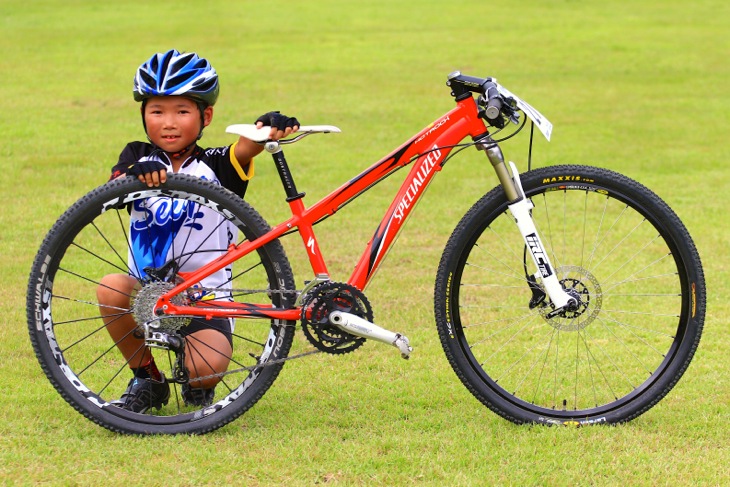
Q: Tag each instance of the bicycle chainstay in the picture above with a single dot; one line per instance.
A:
(242, 292)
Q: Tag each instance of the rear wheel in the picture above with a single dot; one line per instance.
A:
(617, 247)
(90, 241)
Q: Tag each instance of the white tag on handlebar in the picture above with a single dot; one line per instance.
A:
(543, 124)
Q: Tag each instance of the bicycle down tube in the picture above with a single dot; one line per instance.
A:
(427, 150)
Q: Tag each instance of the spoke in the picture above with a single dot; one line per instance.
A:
(90, 318)
(515, 322)
(246, 271)
(639, 279)
(97, 256)
(492, 307)
(544, 363)
(511, 272)
(619, 244)
(187, 237)
(121, 368)
(516, 362)
(170, 366)
(624, 345)
(497, 286)
(190, 340)
(633, 278)
(505, 245)
(597, 240)
(249, 340)
(643, 328)
(81, 301)
(197, 250)
(549, 233)
(82, 277)
(136, 271)
(124, 269)
(555, 383)
(229, 357)
(577, 366)
(585, 228)
(633, 257)
(498, 320)
(613, 363)
(88, 335)
(582, 339)
(630, 329)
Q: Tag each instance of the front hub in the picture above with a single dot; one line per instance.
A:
(584, 288)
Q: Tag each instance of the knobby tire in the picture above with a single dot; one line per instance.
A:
(79, 357)
(613, 243)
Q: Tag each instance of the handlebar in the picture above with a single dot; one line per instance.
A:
(494, 107)
(494, 101)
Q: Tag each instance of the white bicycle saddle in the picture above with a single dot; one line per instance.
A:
(251, 132)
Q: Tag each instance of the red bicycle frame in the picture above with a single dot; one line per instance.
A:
(427, 150)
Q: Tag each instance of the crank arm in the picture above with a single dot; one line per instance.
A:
(358, 326)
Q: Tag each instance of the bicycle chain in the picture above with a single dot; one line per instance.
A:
(271, 363)
(251, 368)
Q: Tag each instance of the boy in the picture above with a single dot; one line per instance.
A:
(177, 92)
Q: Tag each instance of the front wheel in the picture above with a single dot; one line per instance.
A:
(613, 244)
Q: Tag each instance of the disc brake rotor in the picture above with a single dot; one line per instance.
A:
(584, 286)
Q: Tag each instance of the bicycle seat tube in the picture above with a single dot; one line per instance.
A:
(294, 198)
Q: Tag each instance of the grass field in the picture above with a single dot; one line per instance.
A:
(637, 87)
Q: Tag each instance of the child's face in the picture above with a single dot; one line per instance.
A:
(173, 122)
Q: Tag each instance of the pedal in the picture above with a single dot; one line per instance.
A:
(358, 326)
(402, 344)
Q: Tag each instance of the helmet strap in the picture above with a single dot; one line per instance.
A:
(201, 108)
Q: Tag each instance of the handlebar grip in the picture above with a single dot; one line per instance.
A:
(494, 101)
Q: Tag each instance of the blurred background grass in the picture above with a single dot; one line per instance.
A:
(640, 88)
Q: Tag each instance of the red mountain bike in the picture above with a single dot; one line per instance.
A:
(566, 295)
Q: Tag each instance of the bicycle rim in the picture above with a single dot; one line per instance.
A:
(612, 243)
(90, 241)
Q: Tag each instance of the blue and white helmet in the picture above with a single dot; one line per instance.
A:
(172, 73)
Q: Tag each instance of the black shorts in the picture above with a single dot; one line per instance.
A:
(219, 324)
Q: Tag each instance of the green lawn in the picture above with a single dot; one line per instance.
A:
(638, 87)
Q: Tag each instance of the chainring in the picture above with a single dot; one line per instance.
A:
(317, 307)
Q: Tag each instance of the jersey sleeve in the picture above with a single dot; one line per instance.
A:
(231, 173)
(245, 173)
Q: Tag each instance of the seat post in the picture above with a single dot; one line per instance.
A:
(287, 180)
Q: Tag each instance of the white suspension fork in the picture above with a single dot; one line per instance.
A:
(546, 272)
